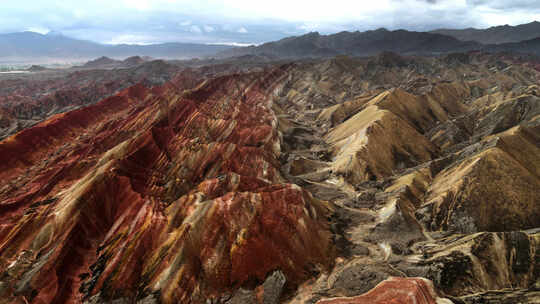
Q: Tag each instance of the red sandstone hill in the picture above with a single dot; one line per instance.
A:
(176, 191)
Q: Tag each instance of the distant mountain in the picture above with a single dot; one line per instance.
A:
(36, 68)
(104, 62)
(133, 61)
(358, 43)
(34, 47)
(101, 61)
(496, 34)
(30, 45)
(531, 46)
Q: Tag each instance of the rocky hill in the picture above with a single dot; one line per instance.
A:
(102, 61)
(342, 180)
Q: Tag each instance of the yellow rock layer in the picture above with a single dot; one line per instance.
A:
(375, 142)
(491, 191)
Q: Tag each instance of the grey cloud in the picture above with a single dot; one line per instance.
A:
(507, 4)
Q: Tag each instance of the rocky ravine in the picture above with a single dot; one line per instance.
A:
(379, 180)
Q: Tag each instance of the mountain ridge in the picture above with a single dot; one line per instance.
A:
(495, 34)
(358, 43)
(27, 45)
(381, 40)
(56, 46)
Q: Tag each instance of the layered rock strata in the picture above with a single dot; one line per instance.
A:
(174, 195)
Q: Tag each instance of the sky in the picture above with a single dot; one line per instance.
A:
(249, 21)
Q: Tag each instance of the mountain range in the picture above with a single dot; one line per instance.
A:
(496, 34)
(55, 46)
(359, 44)
(29, 45)
(521, 39)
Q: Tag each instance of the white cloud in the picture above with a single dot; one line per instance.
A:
(37, 29)
(185, 23)
(130, 39)
(233, 43)
(141, 5)
(195, 29)
(227, 27)
(242, 30)
(208, 28)
(78, 13)
(306, 11)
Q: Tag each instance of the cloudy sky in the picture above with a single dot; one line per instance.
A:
(249, 21)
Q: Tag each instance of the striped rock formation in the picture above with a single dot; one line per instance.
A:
(158, 193)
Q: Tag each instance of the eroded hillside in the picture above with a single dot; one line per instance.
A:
(348, 180)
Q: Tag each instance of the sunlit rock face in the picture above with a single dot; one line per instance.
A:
(162, 193)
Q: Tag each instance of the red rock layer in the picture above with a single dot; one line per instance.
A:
(155, 190)
(395, 290)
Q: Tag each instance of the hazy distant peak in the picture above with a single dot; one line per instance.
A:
(55, 34)
(496, 34)
(25, 33)
(312, 34)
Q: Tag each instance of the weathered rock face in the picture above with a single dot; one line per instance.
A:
(483, 261)
(434, 179)
(488, 192)
(156, 190)
(503, 297)
(374, 143)
(300, 183)
(395, 290)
